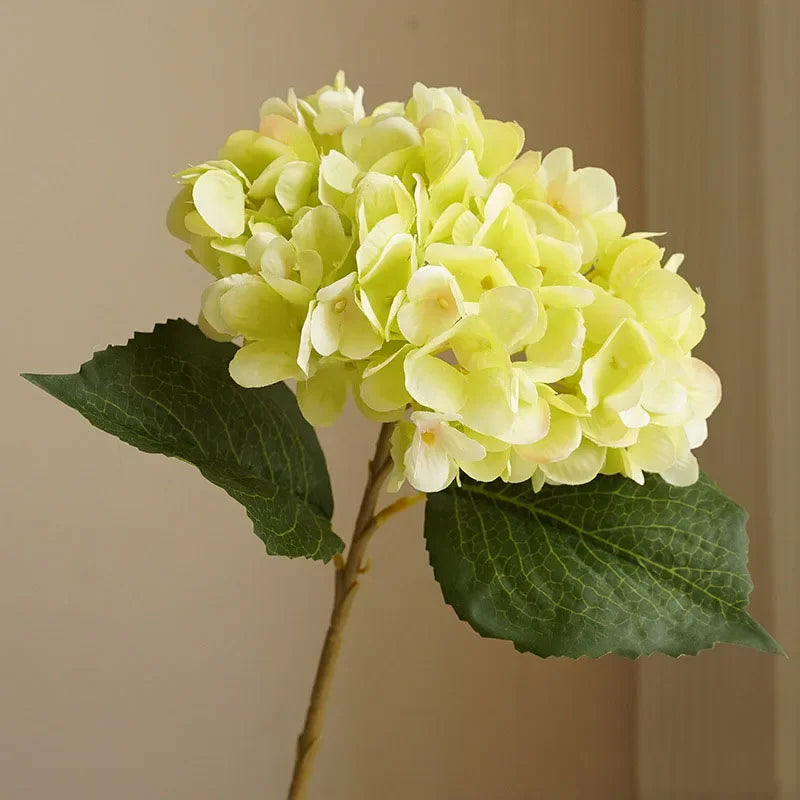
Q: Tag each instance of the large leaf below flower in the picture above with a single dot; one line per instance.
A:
(169, 392)
(608, 567)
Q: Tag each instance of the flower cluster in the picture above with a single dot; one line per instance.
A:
(490, 302)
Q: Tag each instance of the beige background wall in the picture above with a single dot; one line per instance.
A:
(149, 648)
(722, 126)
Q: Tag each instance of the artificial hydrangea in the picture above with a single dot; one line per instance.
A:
(486, 299)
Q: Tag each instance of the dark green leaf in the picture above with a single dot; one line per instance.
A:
(608, 567)
(169, 392)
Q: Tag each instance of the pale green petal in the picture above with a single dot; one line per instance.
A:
(359, 338)
(614, 376)
(233, 247)
(476, 268)
(696, 327)
(474, 345)
(264, 185)
(337, 178)
(259, 364)
(402, 436)
(212, 297)
(205, 255)
(290, 290)
(511, 312)
(326, 328)
(338, 290)
(231, 265)
(278, 257)
(537, 480)
(256, 311)
(338, 108)
(558, 256)
(549, 222)
(219, 199)
(435, 383)
(322, 397)
(251, 152)
(437, 151)
(294, 185)
(581, 466)
(524, 178)
(309, 265)
(608, 226)
(370, 140)
(380, 196)
(530, 424)
(304, 350)
(383, 384)
(465, 228)
(321, 230)
(195, 224)
(489, 405)
(389, 275)
(604, 315)
(180, 206)
(488, 468)
(654, 450)
(558, 163)
(659, 295)
(434, 304)
(588, 239)
(211, 332)
(591, 190)
(557, 354)
(604, 427)
(633, 263)
(443, 226)
(502, 144)
(373, 244)
(566, 296)
(291, 134)
(518, 468)
(457, 185)
(673, 263)
(562, 438)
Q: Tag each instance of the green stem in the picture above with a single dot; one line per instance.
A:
(348, 572)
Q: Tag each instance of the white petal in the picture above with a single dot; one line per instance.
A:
(428, 468)
(684, 472)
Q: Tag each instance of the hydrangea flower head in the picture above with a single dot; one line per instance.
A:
(486, 299)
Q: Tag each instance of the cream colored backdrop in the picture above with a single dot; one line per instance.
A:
(150, 649)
